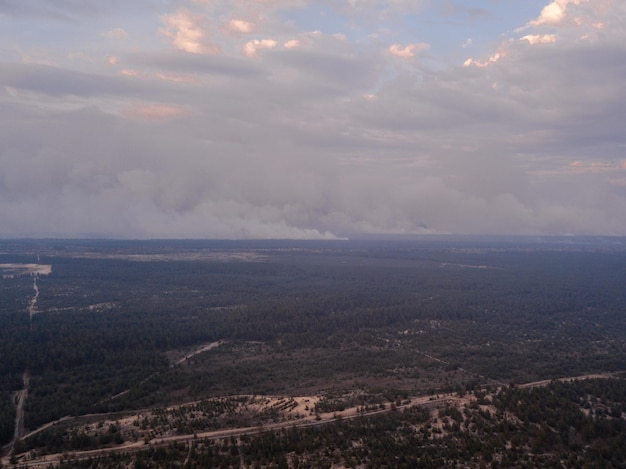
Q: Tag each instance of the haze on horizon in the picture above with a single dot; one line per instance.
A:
(311, 119)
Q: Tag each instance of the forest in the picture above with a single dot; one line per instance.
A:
(122, 326)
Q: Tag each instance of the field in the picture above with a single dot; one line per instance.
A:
(207, 353)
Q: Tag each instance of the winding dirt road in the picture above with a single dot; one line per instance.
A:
(19, 398)
(21, 395)
(32, 306)
(326, 418)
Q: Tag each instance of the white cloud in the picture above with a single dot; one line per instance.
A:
(188, 32)
(551, 14)
(407, 51)
(251, 47)
(323, 135)
(555, 12)
(485, 63)
(539, 38)
(127, 72)
(240, 26)
(292, 44)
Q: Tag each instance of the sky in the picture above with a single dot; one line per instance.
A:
(312, 119)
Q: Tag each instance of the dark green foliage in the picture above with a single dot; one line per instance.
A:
(7, 417)
(556, 421)
(406, 439)
(458, 313)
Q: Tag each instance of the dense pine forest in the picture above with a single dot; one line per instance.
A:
(115, 329)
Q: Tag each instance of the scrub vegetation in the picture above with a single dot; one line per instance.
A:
(377, 353)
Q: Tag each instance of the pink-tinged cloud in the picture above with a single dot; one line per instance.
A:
(484, 63)
(188, 32)
(240, 26)
(539, 39)
(292, 44)
(597, 166)
(177, 78)
(117, 33)
(577, 167)
(407, 51)
(155, 112)
(555, 12)
(112, 60)
(251, 47)
(129, 73)
(172, 77)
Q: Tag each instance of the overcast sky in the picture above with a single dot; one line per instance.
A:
(310, 119)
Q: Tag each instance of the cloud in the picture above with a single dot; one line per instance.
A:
(539, 39)
(117, 33)
(407, 51)
(554, 12)
(127, 72)
(292, 44)
(449, 8)
(400, 6)
(234, 67)
(156, 112)
(484, 63)
(320, 136)
(55, 81)
(188, 32)
(69, 12)
(329, 70)
(240, 26)
(177, 78)
(251, 47)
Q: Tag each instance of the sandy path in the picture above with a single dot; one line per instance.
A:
(19, 399)
(204, 348)
(20, 396)
(182, 360)
(32, 306)
(308, 421)
(325, 419)
(545, 382)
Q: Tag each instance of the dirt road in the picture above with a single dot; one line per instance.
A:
(325, 418)
(204, 348)
(19, 399)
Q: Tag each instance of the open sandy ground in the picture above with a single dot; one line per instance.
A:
(12, 270)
